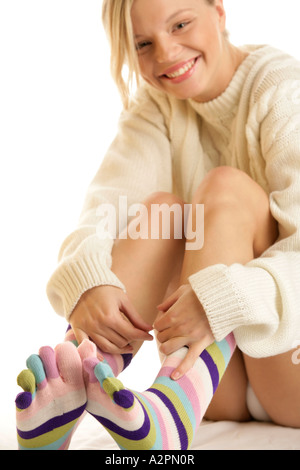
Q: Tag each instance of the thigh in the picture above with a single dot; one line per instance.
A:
(147, 265)
(276, 383)
(229, 403)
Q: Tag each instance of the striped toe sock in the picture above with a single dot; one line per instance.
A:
(53, 401)
(167, 415)
(118, 362)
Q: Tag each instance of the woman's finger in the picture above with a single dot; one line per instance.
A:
(176, 331)
(133, 316)
(191, 357)
(132, 333)
(172, 345)
(107, 346)
(167, 303)
(115, 338)
(80, 335)
(166, 320)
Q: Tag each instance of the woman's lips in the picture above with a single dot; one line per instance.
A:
(181, 71)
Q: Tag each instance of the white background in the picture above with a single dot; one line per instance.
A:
(58, 114)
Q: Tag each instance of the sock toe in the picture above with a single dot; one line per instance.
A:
(89, 365)
(47, 356)
(69, 363)
(124, 398)
(87, 349)
(23, 400)
(26, 380)
(35, 364)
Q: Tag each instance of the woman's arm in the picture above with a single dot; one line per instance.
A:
(137, 163)
(262, 300)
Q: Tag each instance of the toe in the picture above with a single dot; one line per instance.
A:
(87, 349)
(103, 371)
(35, 364)
(124, 398)
(89, 365)
(69, 363)
(23, 400)
(47, 356)
(26, 380)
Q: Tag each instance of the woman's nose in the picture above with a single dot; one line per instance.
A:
(166, 50)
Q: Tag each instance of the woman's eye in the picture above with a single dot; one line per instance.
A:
(141, 45)
(181, 25)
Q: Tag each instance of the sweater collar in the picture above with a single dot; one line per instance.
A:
(224, 106)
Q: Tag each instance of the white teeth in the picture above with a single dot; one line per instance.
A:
(183, 70)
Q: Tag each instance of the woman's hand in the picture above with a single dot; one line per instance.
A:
(182, 322)
(106, 316)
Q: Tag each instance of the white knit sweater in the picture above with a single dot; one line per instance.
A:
(164, 144)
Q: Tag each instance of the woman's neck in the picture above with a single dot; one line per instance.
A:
(233, 57)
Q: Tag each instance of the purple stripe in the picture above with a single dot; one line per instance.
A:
(136, 435)
(52, 424)
(127, 358)
(213, 370)
(179, 424)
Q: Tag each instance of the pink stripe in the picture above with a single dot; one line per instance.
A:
(99, 396)
(113, 361)
(42, 384)
(89, 366)
(171, 361)
(231, 341)
(47, 356)
(66, 444)
(70, 336)
(161, 421)
(196, 379)
(43, 399)
(190, 389)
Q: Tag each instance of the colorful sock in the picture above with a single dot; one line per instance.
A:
(53, 401)
(167, 415)
(118, 362)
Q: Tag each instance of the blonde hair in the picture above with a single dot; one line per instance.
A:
(116, 17)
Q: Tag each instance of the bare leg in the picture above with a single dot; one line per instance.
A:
(147, 267)
(238, 223)
(238, 227)
(276, 383)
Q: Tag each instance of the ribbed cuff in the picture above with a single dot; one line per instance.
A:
(220, 299)
(72, 279)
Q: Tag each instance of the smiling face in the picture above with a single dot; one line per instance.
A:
(181, 47)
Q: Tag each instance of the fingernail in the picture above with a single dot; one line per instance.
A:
(175, 375)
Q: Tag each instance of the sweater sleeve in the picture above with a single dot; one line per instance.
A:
(137, 164)
(260, 301)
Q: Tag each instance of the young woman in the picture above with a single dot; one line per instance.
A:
(214, 126)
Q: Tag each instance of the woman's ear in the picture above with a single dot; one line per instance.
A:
(219, 6)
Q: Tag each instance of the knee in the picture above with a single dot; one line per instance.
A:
(223, 185)
(162, 197)
(225, 195)
(232, 193)
(230, 189)
(165, 213)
